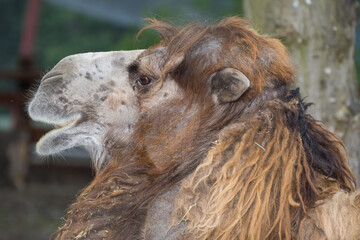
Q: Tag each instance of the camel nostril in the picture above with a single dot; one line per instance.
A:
(51, 74)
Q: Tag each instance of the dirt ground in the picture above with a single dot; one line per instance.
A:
(38, 210)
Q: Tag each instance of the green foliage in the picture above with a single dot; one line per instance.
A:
(63, 32)
(211, 8)
(238, 7)
(128, 41)
(202, 4)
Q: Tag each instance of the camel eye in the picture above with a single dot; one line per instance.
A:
(144, 80)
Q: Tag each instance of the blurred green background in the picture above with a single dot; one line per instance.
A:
(66, 29)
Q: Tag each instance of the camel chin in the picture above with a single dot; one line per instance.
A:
(85, 96)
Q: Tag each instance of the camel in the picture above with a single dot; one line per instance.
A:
(222, 142)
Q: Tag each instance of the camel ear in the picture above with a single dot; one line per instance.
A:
(228, 85)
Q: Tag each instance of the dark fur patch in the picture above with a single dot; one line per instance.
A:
(315, 142)
(103, 88)
(133, 68)
(88, 76)
(63, 100)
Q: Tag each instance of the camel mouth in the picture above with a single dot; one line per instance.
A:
(64, 123)
(59, 126)
(59, 138)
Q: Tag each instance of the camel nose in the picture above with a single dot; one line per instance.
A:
(51, 75)
(49, 102)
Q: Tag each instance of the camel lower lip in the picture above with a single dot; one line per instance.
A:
(56, 139)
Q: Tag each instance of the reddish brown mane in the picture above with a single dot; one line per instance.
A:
(260, 58)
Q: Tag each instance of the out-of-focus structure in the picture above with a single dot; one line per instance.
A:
(22, 133)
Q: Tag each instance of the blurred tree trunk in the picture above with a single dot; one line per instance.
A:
(320, 37)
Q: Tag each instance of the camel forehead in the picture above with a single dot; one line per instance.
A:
(116, 57)
(92, 76)
(96, 66)
(151, 61)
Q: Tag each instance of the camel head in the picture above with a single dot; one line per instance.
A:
(85, 96)
(214, 114)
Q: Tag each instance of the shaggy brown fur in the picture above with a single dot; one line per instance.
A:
(257, 182)
(336, 218)
(252, 164)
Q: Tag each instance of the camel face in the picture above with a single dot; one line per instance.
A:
(85, 96)
(152, 84)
